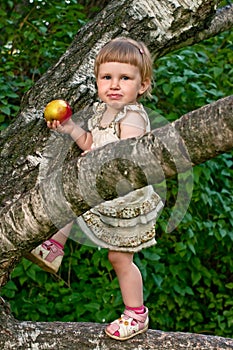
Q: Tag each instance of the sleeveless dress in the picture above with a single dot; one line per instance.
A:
(125, 223)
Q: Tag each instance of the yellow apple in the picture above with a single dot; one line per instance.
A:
(57, 110)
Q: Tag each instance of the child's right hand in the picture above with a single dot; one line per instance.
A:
(64, 128)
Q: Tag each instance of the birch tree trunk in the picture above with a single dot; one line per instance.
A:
(35, 162)
(85, 336)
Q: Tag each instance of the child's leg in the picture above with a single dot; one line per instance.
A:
(62, 235)
(135, 318)
(49, 254)
(129, 277)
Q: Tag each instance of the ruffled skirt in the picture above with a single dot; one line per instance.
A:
(125, 223)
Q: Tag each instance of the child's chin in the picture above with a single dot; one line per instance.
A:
(118, 105)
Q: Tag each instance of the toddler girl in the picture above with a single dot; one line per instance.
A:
(125, 225)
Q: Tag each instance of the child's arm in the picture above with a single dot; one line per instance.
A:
(80, 136)
(132, 125)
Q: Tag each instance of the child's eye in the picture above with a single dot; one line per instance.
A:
(107, 77)
(125, 77)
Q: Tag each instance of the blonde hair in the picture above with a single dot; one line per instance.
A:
(126, 50)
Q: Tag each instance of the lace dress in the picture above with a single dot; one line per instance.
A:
(125, 223)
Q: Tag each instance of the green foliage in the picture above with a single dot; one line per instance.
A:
(188, 275)
(76, 294)
(194, 76)
(193, 274)
(34, 34)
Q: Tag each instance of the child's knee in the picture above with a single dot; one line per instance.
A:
(113, 257)
(118, 258)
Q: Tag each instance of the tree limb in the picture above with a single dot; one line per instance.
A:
(220, 22)
(15, 335)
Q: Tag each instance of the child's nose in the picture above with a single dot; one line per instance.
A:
(115, 84)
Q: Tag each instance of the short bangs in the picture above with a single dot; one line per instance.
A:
(125, 51)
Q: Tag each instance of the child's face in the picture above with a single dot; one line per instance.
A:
(120, 84)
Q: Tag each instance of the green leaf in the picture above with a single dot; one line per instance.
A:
(5, 110)
(229, 285)
(167, 89)
(191, 247)
(196, 276)
(179, 289)
(149, 255)
(42, 308)
(92, 307)
(158, 280)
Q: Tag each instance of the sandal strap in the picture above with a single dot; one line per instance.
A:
(113, 327)
(137, 317)
(128, 325)
(53, 251)
(49, 245)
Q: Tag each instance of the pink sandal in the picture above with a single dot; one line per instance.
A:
(47, 255)
(128, 325)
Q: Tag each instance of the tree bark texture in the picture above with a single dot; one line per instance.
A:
(42, 177)
(15, 335)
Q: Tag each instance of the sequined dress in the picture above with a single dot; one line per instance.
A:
(126, 223)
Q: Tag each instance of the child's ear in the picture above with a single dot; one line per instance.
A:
(144, 86)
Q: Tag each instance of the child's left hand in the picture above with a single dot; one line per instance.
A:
(64, 128)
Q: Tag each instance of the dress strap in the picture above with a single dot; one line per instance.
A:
(138, 108)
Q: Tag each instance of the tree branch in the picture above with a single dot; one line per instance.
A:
(220, 22)
(15, 335)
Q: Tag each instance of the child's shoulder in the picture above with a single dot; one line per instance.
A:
(136, 108)
(132, 111)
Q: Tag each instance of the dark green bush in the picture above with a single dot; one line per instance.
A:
(33, 36)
